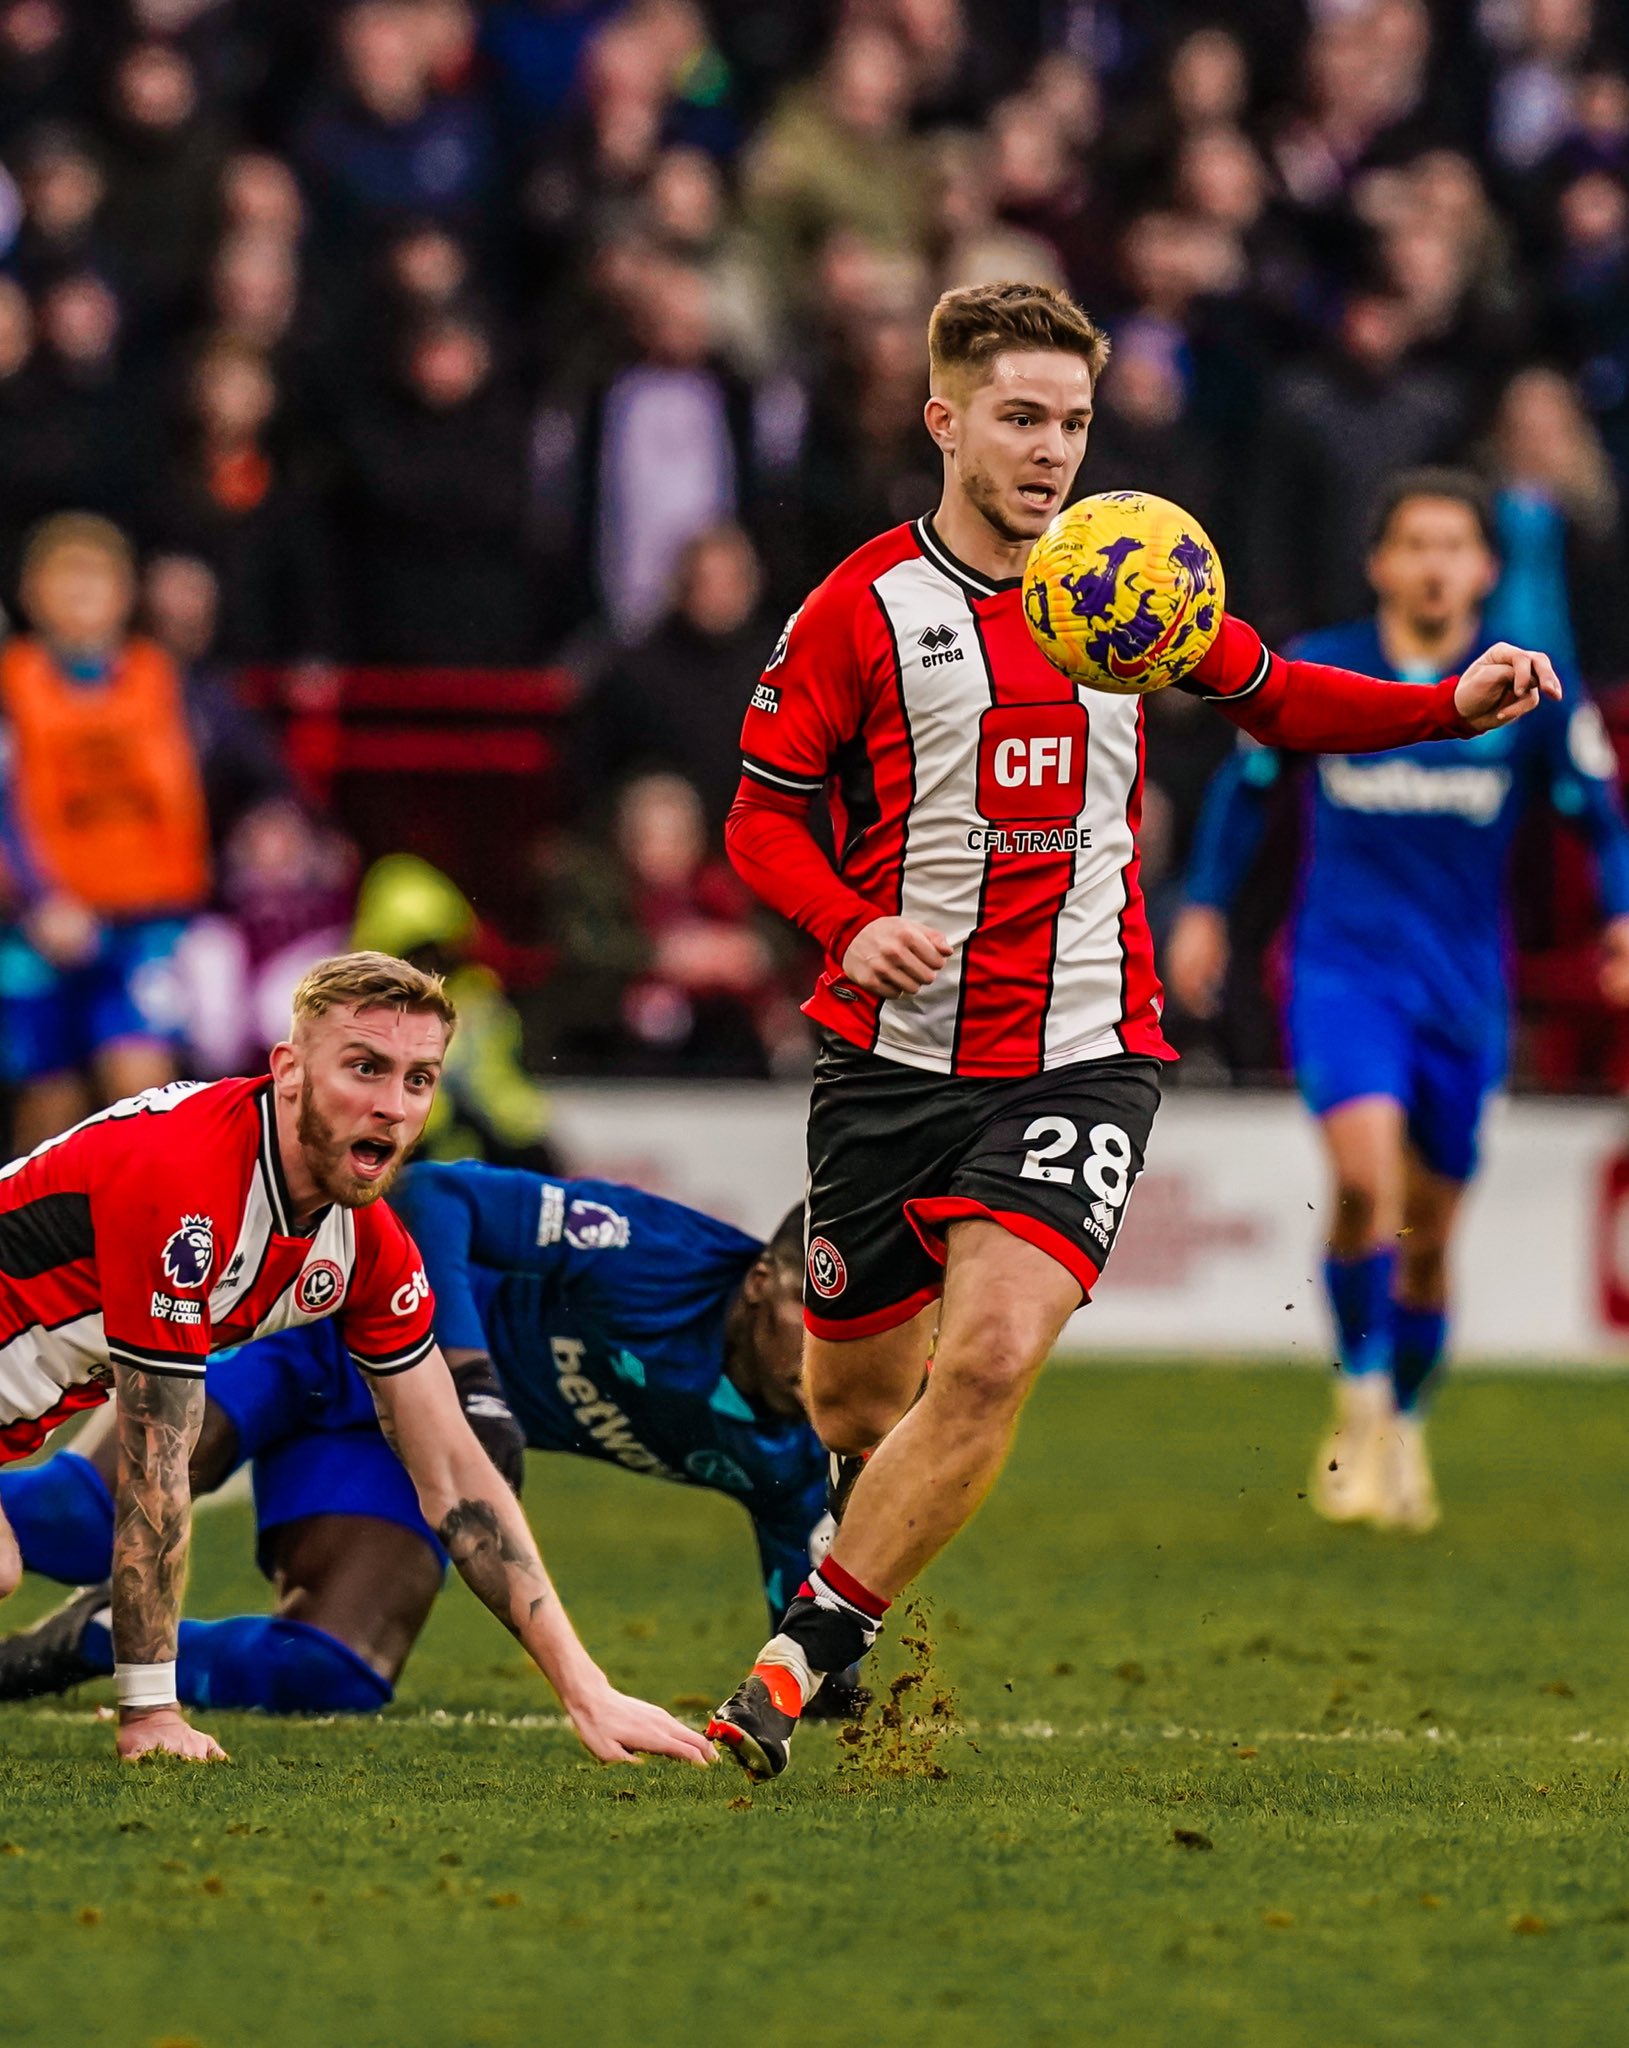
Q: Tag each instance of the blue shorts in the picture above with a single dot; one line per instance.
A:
(1347, 1041)
(304, 1416)
(54, 1020)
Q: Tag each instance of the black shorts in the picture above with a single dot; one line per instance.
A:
(897, 1155)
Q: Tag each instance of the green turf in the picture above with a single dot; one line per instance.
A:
(1428, 1844)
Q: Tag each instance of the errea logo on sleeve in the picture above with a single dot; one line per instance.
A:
(411, 1292)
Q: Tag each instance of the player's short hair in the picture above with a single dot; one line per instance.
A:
(975, 323)
(786, 1248)
(1458, 486)
(76, 530)
(370, 981)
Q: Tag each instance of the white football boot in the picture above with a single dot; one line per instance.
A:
(1349, 1474)
(1410, 1491)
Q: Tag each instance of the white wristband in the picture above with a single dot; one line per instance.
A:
(145, 1685)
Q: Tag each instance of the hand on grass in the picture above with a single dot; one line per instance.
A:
(164, 1731)
(615, 1728)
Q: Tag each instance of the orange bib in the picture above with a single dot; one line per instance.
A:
(106, 787)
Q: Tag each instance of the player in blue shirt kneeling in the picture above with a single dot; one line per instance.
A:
(1398, 1016)
(575, 1315)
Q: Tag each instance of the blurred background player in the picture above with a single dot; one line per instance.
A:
(103, 833)
(1398, 1013)
(576, 1316)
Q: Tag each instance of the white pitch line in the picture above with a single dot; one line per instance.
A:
(1107, 1732)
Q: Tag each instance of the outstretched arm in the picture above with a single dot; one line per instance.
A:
(159, 1414)
(1309, 707)
(465, 1501)
(1232, 823)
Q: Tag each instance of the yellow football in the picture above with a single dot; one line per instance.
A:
(1124, 592)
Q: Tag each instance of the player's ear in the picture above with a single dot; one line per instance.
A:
(760, 1276)
(285, 1062)
(940, 416)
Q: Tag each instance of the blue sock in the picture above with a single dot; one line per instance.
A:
(63, 1516)
(1419, 1337)
(1360, 1296)
(257, 1661)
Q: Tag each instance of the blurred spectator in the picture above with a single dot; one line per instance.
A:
(436, 478)
(164, 164)
(237, 753)
(259, 194)
(283, 902)
(63, 191)
(868, 463)
(39, 77)
(488, 1106)
(675, 699)
(688, 212)
(105, 840)
(970, 245)
(656, 453)
(662, 967)
(388, 141)
(88, 439)
(1561, 530)
(238, 499)
(1332, 433)
(536, 49)
(1542, 46)
(836, 153)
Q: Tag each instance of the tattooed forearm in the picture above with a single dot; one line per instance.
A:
(158, 1418)
(496, 1569)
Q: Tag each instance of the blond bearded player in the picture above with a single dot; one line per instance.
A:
(990, 1016)
(199, 1215)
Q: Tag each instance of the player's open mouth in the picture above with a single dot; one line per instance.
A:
(370, 1157)
(1041, 496)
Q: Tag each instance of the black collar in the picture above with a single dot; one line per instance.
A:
(939, 555)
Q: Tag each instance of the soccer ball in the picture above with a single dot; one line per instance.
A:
(1124, 592)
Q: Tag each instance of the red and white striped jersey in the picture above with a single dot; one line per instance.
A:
(975, 789)
(160, 1231)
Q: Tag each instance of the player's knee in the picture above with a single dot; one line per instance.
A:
(1359, 1212)
(986, 1374)
(852, 1419)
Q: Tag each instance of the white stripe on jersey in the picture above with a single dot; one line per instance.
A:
(1087, 972)
(39, 1366)
(942, 880)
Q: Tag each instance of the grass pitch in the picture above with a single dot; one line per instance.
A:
(1225, 1777)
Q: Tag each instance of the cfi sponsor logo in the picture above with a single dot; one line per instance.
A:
(319, 1288)
(594, 1227)
(411, 1292)
(828, 1276)
(189, 1252)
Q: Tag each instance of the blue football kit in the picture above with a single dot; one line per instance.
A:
(1400, 946)
(1400, 954)
(603, 1310)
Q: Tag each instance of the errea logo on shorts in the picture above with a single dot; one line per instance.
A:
(1032, 762)
(408, 1296)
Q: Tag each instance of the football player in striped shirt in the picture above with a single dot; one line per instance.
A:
(990, 1050)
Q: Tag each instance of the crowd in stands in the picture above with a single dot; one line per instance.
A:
(589, 333)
